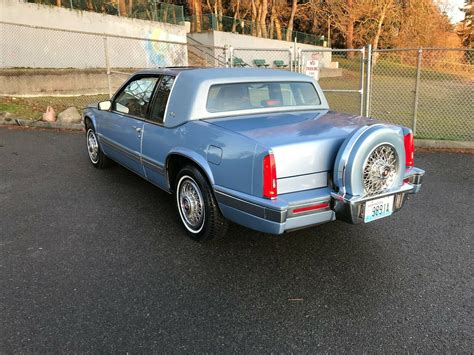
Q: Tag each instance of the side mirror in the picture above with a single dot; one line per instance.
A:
(104, 105)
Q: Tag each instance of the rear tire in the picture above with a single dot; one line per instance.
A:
(197, 206)
(96, 156)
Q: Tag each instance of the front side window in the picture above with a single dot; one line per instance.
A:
(246, 96)
(134, 99)
(161, 98)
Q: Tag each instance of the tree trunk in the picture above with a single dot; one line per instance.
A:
(236, 16)
(254, 18)
(263, 18)
(197, 14)
(289, 31)
(278, 28)
(275, 22)
(220, 11)
(272, 20)
(350, 28)
(380, 24)
(58, 3)
(122, 8)
(379, 30)
(130, 6)
(329, 33)
(259, 16)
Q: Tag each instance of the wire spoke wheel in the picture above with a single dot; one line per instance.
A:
(380, 169)
(191, 204)
(92, 146)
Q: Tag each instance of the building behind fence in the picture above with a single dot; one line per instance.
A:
(429, 90)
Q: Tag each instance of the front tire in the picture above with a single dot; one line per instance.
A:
(96, 156)
(197, 207)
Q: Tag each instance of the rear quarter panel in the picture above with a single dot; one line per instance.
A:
(230, 156)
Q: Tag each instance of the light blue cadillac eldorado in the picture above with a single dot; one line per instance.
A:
(258, 147)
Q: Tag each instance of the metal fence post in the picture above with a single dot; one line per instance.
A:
(290, 58)
(299, 63)
(362, 71)
(417, 89)
(107, 65)
(368, 80)
(226, 56)
(231, 56)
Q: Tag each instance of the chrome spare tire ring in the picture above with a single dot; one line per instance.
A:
(92, 146)
(370, 161)
(191, 205)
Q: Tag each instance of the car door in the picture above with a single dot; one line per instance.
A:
(157, 139)
(121, 128)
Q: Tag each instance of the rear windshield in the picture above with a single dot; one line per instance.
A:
(245, 96)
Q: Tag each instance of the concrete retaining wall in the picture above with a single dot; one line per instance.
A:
(51, 82)
(43, 48)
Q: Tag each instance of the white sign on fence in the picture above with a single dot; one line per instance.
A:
(312, 66)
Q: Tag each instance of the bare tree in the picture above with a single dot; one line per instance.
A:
(122, 8)
(236, 11)
(289, 28)
(195, 7)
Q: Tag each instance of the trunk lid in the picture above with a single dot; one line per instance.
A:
(302, 142)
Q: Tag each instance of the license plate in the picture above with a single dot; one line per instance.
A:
(379, 208)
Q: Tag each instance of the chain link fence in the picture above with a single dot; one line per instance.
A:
(46, 66)
(341, 76)
(392, 89)
(428, 90)
(200, 55)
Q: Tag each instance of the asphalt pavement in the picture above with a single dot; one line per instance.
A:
(96, 261)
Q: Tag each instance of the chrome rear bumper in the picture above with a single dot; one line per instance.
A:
(351, 209)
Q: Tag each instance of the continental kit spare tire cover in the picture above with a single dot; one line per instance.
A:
(371, 160)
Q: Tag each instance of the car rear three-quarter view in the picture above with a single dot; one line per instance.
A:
(258, 147)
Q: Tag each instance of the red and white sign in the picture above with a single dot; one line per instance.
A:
(312, 68)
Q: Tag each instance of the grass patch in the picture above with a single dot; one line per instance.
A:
(389, 67)
(17, 109)
(33, 107)
(445, 109)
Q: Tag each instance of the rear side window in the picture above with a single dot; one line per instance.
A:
(245, 96)
(134, 99)
(161, 98)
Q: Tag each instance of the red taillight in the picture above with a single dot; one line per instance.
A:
(409, 150)
(269, 177)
